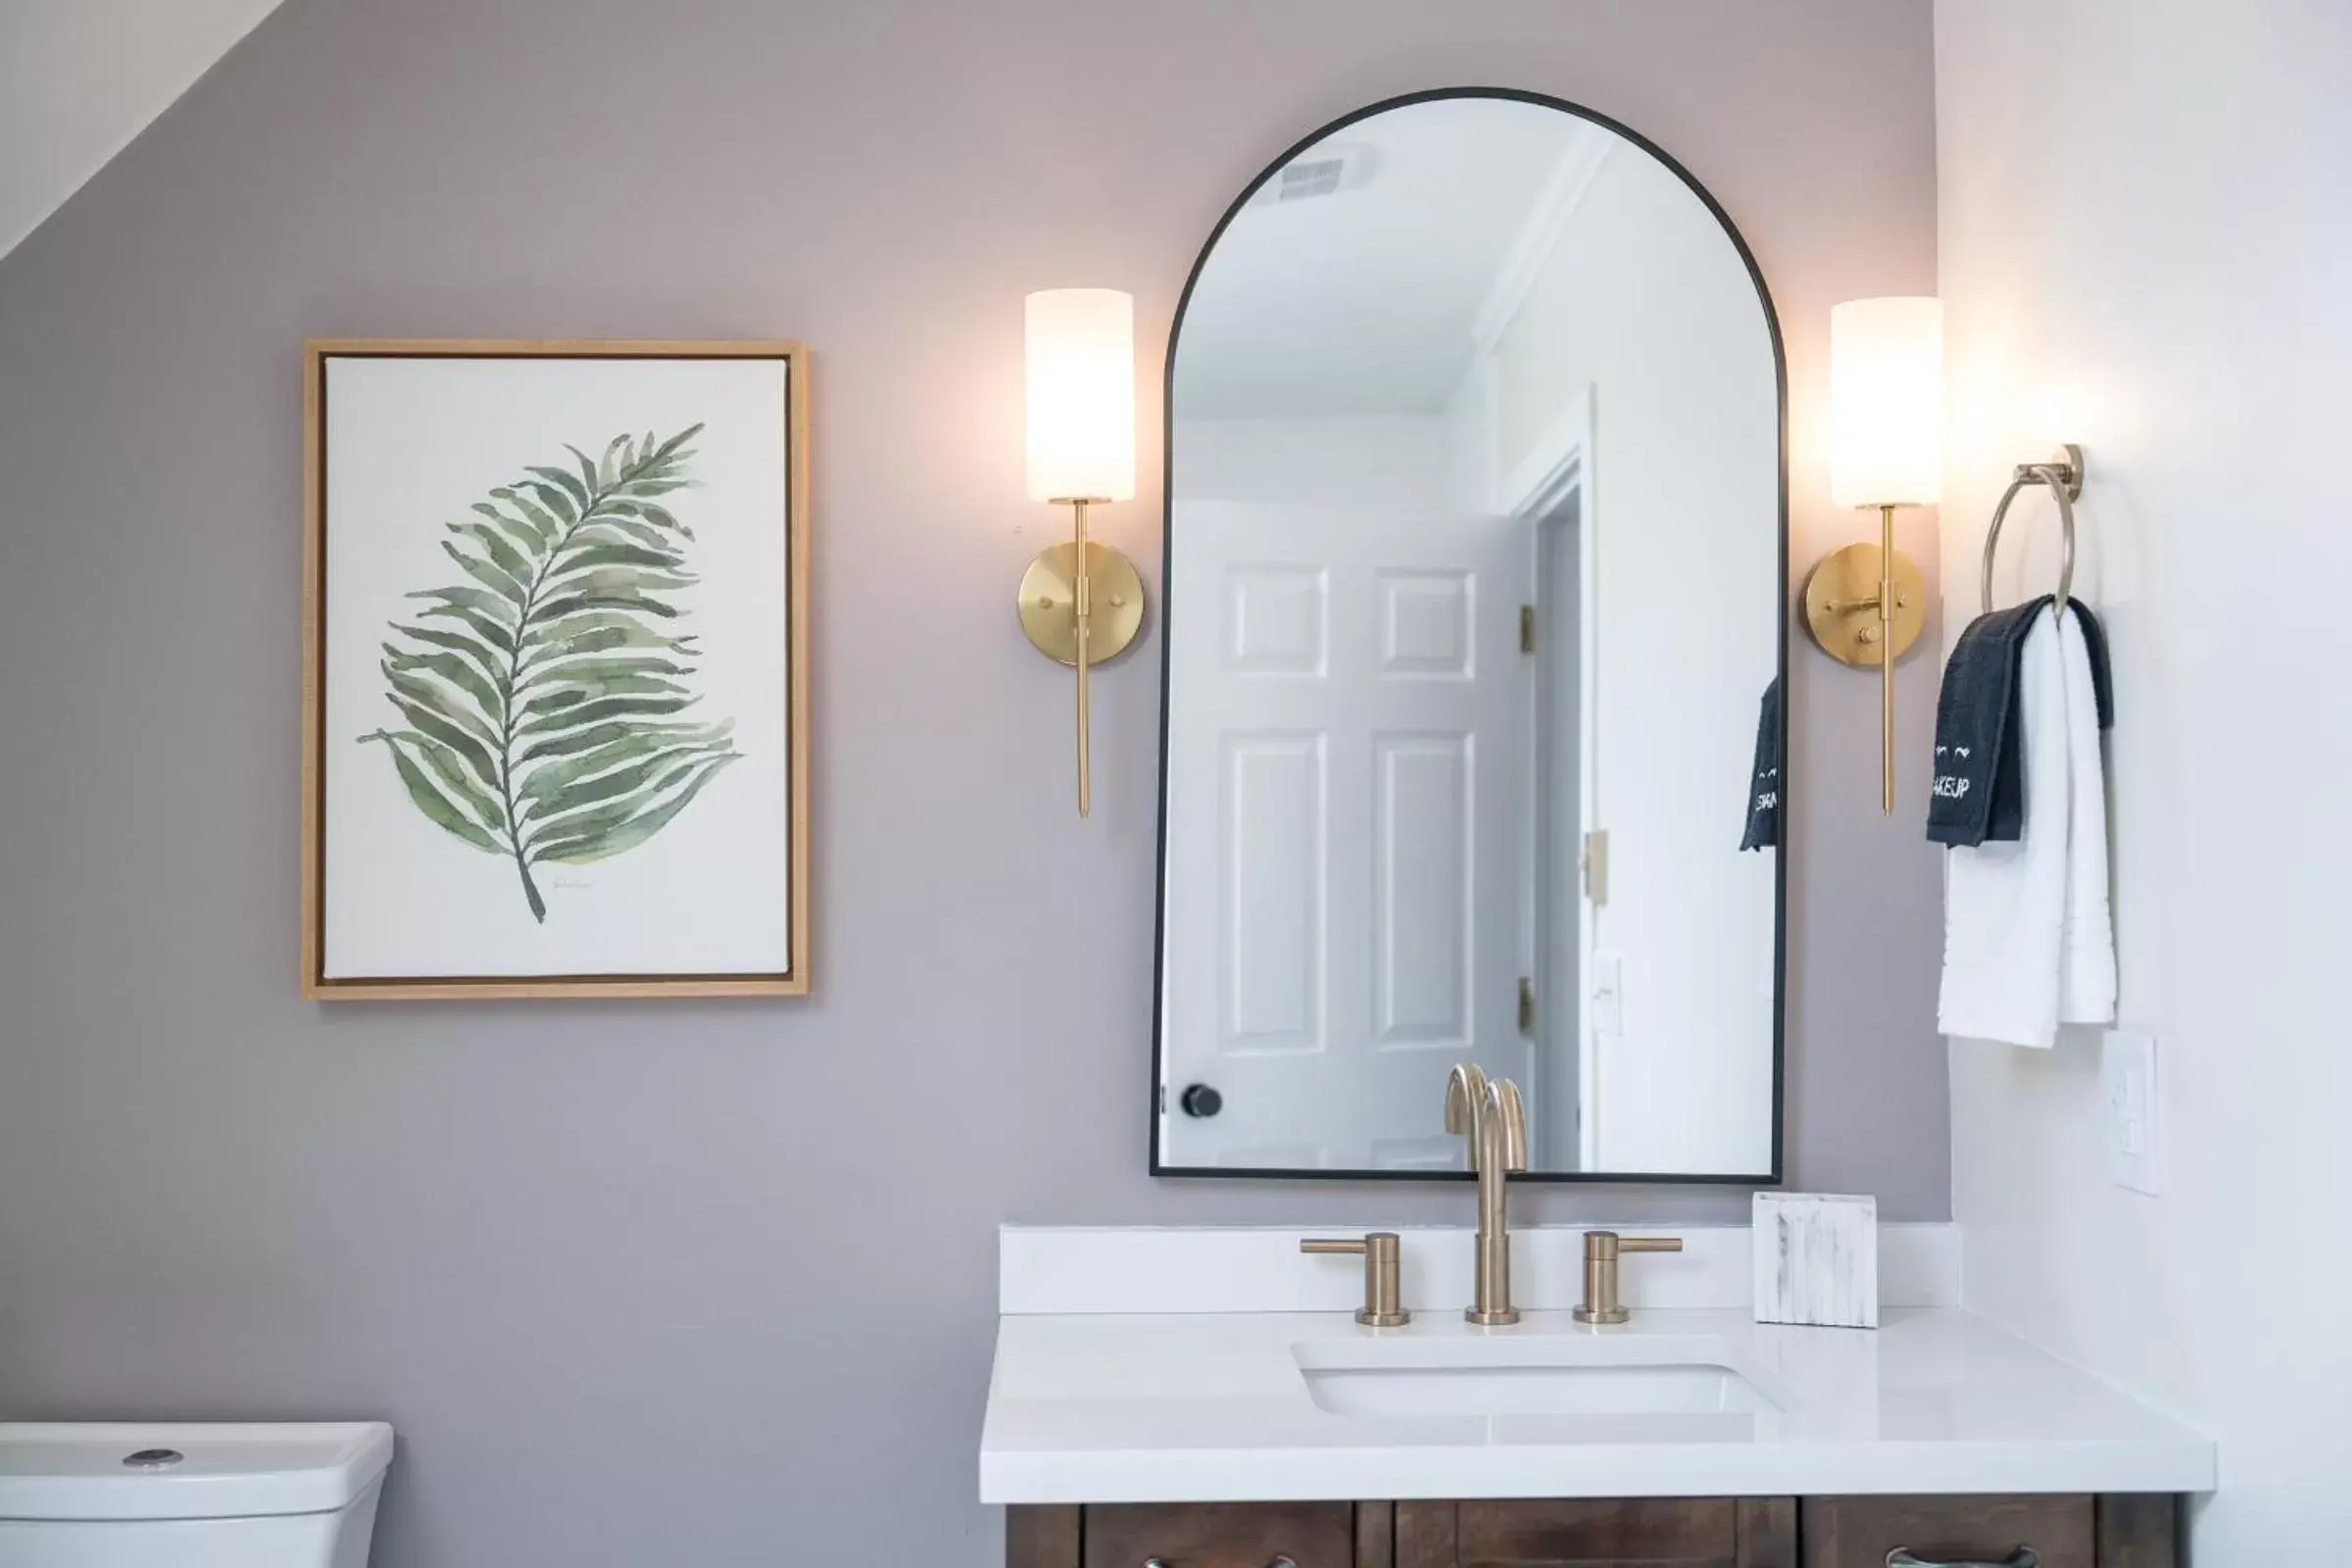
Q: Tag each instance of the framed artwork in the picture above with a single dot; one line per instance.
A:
(555, 670)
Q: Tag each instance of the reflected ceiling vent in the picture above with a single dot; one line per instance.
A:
(1326, 170)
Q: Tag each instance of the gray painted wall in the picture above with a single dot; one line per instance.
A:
(703, 1283)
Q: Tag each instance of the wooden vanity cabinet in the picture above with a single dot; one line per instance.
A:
(1596, 1532)
(2120, 1530)
(2077, 1530)
(1220, 1535)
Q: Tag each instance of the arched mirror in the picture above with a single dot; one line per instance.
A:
(1474, 632)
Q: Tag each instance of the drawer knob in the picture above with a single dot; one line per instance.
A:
(1903, 1558)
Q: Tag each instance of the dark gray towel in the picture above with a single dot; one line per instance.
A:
(1979, 791)
(1971, 718)
(1764, 790)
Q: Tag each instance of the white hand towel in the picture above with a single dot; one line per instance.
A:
(2004, 904)
(2087, 952)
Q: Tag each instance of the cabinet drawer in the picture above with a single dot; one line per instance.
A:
(1599, 1532)
(1859, 1532)
(1661, 1530)
(1221, 1534)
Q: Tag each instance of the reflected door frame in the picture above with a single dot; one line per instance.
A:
(1559, 468)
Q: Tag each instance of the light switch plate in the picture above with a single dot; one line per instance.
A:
(1608, 993)
(2127, 1085)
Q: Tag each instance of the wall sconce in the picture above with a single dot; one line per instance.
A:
(1866, 603)
(1081, 602)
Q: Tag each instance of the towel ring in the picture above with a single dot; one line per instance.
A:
(2064, 476)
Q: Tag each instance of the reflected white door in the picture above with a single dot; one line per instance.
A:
(1347, 860)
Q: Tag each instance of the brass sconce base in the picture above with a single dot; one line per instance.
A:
(1841, 604)
(1049, 602)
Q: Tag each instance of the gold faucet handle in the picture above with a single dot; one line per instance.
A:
(1602, 1303)
(1383, 1306)
(1603, 1245)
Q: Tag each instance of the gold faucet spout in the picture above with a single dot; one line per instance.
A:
(1465, 1100)
(1491, 1116)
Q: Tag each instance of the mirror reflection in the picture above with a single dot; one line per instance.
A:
(1474, 614)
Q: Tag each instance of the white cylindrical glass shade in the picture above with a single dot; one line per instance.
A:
(1887, 402)
(1081, 402)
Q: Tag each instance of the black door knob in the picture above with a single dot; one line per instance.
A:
(1199, 1099)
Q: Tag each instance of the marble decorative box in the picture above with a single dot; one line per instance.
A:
(1817, 1259)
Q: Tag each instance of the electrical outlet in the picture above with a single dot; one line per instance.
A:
(2127, 1083)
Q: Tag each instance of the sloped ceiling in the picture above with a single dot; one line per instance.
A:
(79, 78)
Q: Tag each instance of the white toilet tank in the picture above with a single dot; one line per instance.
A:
(140, 1496)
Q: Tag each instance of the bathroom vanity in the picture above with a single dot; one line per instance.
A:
(1261, 1425)
(1475, 629)
(2117, 1531)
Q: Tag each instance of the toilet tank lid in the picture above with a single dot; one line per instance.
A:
(74, 1470)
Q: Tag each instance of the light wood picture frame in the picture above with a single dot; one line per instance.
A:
(556, 683)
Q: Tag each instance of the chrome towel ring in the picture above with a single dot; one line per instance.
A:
(2064, 476)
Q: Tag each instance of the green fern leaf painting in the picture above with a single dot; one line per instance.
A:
(546, 696)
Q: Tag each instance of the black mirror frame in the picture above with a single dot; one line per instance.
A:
(1780, 898)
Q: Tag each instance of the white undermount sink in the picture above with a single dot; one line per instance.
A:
(1546, 1375)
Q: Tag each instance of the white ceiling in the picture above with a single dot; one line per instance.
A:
(79, 78)
(1362, 302)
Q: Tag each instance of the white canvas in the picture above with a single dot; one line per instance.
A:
(412, 444)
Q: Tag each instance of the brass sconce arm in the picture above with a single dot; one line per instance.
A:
(1865, 606)
(1058, 611)
(1886, 607)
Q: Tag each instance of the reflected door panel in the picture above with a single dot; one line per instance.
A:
(1347, 770)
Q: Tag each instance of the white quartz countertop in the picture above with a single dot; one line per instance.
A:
(1215, 1407)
